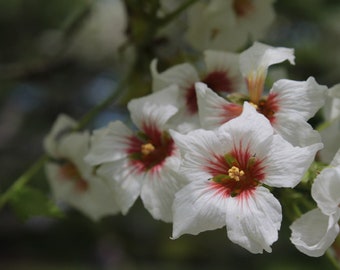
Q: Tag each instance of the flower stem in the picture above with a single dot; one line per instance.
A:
(332, 259)
(88, 117)
(164, 21)
(35, 167)
(22, 180)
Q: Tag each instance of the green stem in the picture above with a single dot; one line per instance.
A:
(22, 180)
(88, 117)
(332, 259)
(35, 167)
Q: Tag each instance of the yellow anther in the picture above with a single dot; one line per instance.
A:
(254, 105)
(147, 148)
(235, 173)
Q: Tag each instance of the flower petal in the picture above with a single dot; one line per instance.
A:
(334, 91)
(296, 130)
(124, 183)
(109, 143)
(183, 75)
(326, 190)
(251, 127)
(303, 98)
(63, 125)
(214, 110)
(158, 193)
(199, 149)
(61, 188)
(313, 233)
(228, 63)
(260, 56)
(285, 164)
(96, 201)
(198, 207)
(207, 18)
(156, 108)
(336, 159)
(259, 19)
(253, 222)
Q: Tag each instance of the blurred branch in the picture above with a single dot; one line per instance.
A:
(35, 167)
(171, 16)
(331, 257)
(22, 180)
(19, 70)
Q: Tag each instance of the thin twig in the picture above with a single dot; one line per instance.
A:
(171, 16)
(22, 180)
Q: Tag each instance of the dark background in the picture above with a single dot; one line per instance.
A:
(40, 80)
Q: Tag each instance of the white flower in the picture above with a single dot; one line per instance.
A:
(288, 105)
(221, 74)
(102, 34)
(71, 179)
(144, 162)
(228, 24)
(330, 133)
(227, 169)
(314, 232)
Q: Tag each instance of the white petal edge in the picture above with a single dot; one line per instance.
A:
(250, 127)
(198, 207)
(156, 108)
(326, 190)
(158, 193)
(285, 164)
(253, 221)
(210, 107)
(296, 130)
(313, 233)
(303, 98)
(260, 56)
(183, 75)
(62, 125)
(124, 182)
(199, 150)
(109, 143)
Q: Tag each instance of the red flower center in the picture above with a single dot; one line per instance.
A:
(237, 173)
(268, 107)
(218, 81)
(148, 150)
(70, 172)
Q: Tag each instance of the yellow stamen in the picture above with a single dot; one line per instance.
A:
(254, 105)
(255, 83)
(235, 173)
(147, 148)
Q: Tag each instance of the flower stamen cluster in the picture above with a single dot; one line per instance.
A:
(146, 152)
(242, 172)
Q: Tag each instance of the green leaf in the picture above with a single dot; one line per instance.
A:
(28, 202)
(237, 98)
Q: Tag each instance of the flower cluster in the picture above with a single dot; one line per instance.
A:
(207, 151)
